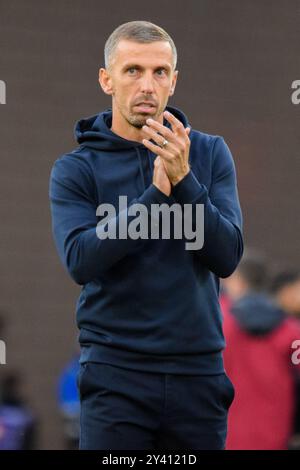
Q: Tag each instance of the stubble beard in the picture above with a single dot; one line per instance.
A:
(138, 120)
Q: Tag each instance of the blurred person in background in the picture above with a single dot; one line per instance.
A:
(285, 287)
(17, 421)
(69, 403)
(258, 359)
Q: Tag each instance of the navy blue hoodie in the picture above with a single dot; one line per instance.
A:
(147, 304)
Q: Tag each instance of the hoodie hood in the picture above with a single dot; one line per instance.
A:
(257, 313)
(95, 132)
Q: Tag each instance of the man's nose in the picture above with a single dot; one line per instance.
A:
(147, 83)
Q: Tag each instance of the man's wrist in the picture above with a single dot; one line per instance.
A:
(189, 189)
(180, 178)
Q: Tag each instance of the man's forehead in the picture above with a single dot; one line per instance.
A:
(129, 50)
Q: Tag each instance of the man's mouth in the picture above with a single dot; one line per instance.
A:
(145, 107)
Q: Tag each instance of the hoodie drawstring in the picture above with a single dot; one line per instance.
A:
(151, 166)
(141, 168)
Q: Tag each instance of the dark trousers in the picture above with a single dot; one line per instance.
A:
(123, 409)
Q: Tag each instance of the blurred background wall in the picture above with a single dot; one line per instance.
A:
(237, 61)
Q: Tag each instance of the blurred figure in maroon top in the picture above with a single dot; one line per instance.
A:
(258, 359)
(285, 287)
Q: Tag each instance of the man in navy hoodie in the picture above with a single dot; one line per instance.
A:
(152, 373)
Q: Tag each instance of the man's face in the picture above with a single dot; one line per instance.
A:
(235, 286)
(289, 298)
(141, 79)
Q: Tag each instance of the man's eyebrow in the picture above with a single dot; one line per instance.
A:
(132, 64)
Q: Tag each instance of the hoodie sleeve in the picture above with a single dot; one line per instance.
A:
(223, 241)
(73, 206)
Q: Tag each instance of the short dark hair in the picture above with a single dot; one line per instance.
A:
(282, 279)
(254, 269)
(138, 31)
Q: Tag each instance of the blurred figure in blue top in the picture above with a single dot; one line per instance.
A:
(69, 403)
(18, 424)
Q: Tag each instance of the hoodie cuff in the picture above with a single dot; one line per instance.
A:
(189, 189)
(153, 195)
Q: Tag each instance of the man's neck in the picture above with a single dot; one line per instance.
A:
(128, 133)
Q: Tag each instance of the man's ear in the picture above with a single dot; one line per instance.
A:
(174, 80)
(105, 81)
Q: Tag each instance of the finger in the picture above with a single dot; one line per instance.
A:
(159, 139)
(157, 150)
(163, 130)
(176, 125)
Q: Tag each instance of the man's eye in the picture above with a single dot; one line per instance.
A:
(160, 71)
(132, 69)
